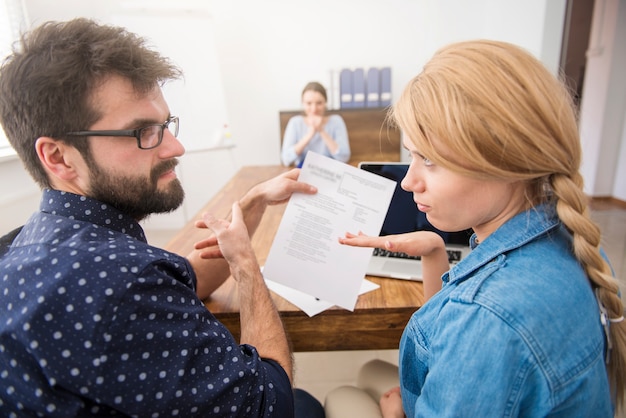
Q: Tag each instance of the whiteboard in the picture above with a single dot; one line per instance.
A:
(187, 38)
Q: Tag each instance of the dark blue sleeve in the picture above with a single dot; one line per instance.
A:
(282, 387)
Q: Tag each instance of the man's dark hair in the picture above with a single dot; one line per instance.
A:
(47, 83)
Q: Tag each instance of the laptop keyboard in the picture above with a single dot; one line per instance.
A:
(454, 256)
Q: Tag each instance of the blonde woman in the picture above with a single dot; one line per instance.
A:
(530, 323)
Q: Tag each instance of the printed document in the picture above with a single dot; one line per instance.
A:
(306, 254)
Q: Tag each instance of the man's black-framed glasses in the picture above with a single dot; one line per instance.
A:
(148, 137)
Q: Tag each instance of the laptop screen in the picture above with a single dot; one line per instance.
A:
(403, 215)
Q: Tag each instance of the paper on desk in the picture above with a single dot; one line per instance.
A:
(309, 304)
(306, 254)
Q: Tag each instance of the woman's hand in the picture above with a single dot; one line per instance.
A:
(426, 244)
(391, 404)
(418, 243)
(316, 122)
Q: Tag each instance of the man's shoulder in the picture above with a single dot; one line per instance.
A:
(106, 259)
(69, 239)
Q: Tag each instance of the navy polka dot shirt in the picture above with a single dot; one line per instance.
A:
(96, 322)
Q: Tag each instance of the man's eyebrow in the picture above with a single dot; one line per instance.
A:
(140, 123)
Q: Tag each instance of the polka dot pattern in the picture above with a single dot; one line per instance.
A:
(97, 322)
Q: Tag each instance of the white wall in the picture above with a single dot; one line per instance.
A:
(19, 195)
(268, 50)
(603, 109)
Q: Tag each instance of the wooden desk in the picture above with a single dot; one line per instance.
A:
(378, 318)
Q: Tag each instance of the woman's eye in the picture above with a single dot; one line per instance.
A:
(415, 156)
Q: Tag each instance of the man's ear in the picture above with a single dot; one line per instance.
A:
(57, 157)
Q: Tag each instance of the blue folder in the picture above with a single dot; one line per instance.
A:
(345, 89)
(372, 98)
(385, 86)
(358, 92)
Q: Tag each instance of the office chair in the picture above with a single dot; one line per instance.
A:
(7, 239)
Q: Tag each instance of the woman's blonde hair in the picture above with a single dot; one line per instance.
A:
(497, 113)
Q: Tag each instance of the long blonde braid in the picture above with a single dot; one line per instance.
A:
(571, 206)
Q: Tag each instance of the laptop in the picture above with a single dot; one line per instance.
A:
(402, 217)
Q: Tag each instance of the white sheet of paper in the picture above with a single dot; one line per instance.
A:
(306, 254)
(309, 304)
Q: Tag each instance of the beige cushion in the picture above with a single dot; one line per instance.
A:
(350, 402)
(375, 378)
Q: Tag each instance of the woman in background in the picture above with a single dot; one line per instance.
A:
(530, 323)
(315, 131)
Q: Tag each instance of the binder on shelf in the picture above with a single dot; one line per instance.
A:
(345, 89)
(372, 89)
(358, 91)
(385, 86)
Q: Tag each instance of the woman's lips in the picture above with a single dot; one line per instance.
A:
(422, 208)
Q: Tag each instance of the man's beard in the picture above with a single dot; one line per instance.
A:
(137, 197)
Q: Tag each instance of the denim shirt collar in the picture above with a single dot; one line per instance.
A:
(85, 209)
(514, 233)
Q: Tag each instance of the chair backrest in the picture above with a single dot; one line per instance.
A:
(371, 137)
(7, 239)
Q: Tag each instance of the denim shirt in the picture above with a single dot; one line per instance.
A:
(515, 331)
